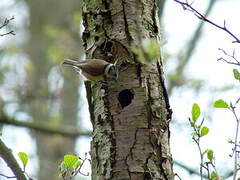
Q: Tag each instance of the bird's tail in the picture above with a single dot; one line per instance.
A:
(70, 62)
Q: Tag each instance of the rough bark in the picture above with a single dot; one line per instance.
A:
(131, 117)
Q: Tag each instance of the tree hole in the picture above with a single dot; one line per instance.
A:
(125, 97)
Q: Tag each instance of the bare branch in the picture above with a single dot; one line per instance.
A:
(10, 32)
(5, 23)
(231, 56)
(235, 149)
(188, 7)
(8, 157)
(8, 177)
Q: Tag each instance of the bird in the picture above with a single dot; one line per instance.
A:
(94, 69)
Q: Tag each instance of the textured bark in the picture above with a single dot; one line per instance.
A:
(131, 117)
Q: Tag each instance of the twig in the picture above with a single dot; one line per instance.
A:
(197, 141)
(225, 60)
(5, 23)
(10, 32)
(188, 7)
(232, 56)
(8, 177)
(236, 153)
(78, 170)
(178, 176)
(8, 157)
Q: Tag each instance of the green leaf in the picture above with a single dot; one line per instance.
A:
(204, 131)
(24, 158)
(195, 112)
(213, 176)
(236, 74)
(210, 154)
(1, 133)
(70, 160)
(220, 104)
(230, 140)
(205, 152)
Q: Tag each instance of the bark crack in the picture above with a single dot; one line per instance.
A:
(150, 115)
(139, 71)
(130, 154)
(128, 170)
(125, 21)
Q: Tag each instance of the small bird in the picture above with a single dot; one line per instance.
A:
(94, 69)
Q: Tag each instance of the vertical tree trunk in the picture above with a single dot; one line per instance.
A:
(51, 148)
(130, 117)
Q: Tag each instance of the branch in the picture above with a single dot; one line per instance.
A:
(189, 169)
(5, 23)
(188, 7)
(10, 32)
(231, 56)
(190, 47)
(8, 157)
(45, 127)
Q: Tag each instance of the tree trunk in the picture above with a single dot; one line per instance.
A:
(50, 147)
(130, 117)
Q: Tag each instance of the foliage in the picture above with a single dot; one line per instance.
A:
(221, 104)
(24, 159)
(198, 132)
(236, 74)
(72, 165)
(148, 51)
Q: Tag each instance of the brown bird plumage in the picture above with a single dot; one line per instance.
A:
(92, 69)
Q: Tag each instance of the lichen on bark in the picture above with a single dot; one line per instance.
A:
(130, 117)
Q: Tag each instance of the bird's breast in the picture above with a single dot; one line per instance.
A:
(91, 77)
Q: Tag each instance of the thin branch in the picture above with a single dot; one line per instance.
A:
(45, 127)
(8, 157)
(189, 169)
(236, 153)
(231, 56)
(188, 7)
(177, 176)
(227, 61)
(10, 32)
(5, 23)
(8, 177)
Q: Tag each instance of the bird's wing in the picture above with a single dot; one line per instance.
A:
(97, 68)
